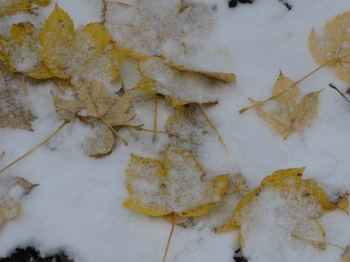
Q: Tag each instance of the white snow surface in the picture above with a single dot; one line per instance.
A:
(77, 207)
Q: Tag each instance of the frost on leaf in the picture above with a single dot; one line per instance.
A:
(20, 51)
(179, 86)
(11, 189)
(79, 54)
(10, 7)
(153, 26)
(192, 128)
(15, 109)
(176, 187)
(93, 103)
(285, 205)
(334, 46)
(284, 113)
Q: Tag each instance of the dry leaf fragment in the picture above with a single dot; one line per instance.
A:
(284, 114)
(283, 205)
(93, 103)
(11, 189)
(15, 108)
(10, 7)
(175, 188)
(20, 51)
(153, 26)
(345, 257)
(79, 54)
(180, 86)
(334, 46)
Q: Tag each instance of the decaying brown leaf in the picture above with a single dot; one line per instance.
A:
(179, 86)
(334, 46)
(20, 51)
(9, 196)
(15, 109)
(284, 113)
(150, 27)
(291, 202)
(93, 103)
(176, 187)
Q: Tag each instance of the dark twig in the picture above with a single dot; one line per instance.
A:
(335, 88)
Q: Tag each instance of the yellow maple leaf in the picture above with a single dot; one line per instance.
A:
(93, 103)
(284, 114)
(334, 46)
(179, 86)
(144, 30)
(9, 207)
(292, 203)
(175, 188)
(20, 51)
(79, 54)
(15, 108)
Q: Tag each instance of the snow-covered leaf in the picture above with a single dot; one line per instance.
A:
(176, 187)
(79, 54)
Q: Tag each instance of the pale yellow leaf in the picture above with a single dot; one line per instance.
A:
(333, 47)
(284, 114)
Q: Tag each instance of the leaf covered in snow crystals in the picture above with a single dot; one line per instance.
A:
(284, 205)
(154, 25)
(176, 187)
(79, 54)
(20, 51)
(179, 86)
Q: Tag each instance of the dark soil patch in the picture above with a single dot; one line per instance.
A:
(31, 255)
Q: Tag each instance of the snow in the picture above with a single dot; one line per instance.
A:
(77, 207)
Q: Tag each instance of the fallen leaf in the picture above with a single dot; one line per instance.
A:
(93, 103)
(41, 2)
(343, 203)
(11, 7)
(78, 55)
(334, 46)
(192, 128)
(283, 113)
(179, 86)
(284, 205)
(11, 189)
(175, 188)
(20, 51)
(153, 26)
(15, 108)
(100, 141)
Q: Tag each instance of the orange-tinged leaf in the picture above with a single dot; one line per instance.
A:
(333, 47)
(175, 188)
(78, 55)
(284, 114)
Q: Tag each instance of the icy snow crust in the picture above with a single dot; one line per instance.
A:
(78, 205)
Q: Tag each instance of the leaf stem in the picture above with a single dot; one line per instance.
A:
(171, 234)
(21, 8)
(335, 88)
(24, 85)
(35, 148)
(212, 126)
(318, 241)
(115, 132)
(148, 130)
(280, 93)
(155, 118)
